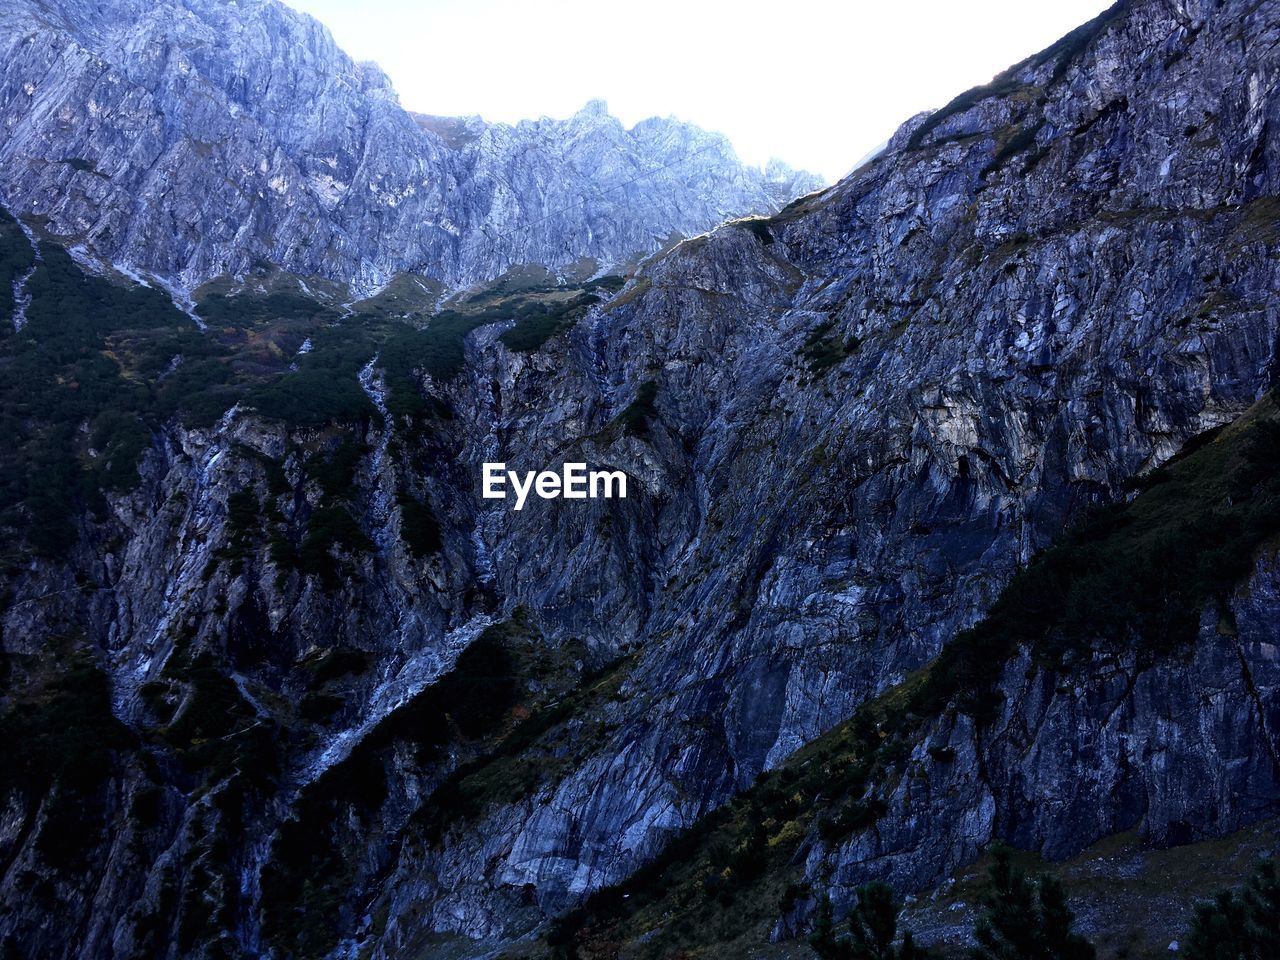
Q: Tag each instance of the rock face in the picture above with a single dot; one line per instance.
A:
(192, 139)
(845, 427)
(1184, 750)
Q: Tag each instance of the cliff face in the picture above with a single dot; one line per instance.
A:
(189, 140)
(845, 426)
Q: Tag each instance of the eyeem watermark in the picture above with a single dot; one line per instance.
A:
(573, 482)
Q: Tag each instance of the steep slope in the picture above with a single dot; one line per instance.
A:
(615, 189)
(846, 427)
(191, 139)
(1120, 681)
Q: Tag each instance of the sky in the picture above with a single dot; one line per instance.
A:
(816, 83)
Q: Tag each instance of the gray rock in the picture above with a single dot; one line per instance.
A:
(869, 411)
(191, 139)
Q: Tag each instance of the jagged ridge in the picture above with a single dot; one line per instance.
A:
(189, 140)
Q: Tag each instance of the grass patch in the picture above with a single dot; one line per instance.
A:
(538, 320)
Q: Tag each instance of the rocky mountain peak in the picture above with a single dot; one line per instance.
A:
(595, 107)
(124, 119)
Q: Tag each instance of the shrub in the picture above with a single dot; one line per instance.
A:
(1131, 573)
(636, 418)
(312, 398)
(331, 528)
(418, 526)
(343, 662)
(539, 321)
(336, 473)
(757, 227)
(310, 873)
(58, 739)
(319, 707)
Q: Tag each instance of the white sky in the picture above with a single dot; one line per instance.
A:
(818, 83)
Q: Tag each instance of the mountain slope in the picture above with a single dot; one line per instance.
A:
(193, 139)
(847, 427)
(1120, 681)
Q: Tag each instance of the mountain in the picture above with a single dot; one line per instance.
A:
(193, 138)
(953, 504)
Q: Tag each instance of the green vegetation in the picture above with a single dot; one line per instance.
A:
(1239, 925)
(339, 663)
(641, 286)
(823, 350)
(324, 389)
(320, 540)
(100, 367)
(555, 735)
(324, 696)
(215, 732)
(330, 528)
(16, 258)
(873, 929)
(242, 527)
(248, 310)
(636, 419)
(1023, 917)
(418, 526)
(58, 375)
(1004, 85)
(1132, 573)
(81, 165)
(69, 763)
(313, 397)
(58, 743)
(336, 472)
(757, 227)
(1022, 139)
(538, 320)
(513, 706)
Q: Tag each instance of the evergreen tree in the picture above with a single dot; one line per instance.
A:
(823, 938)
(1056, 919)
(1024, 918)
(1218, 930)
(1262, 909)
(873, 928)
(1239, 926)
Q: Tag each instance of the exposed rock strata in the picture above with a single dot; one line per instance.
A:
(868, 411)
